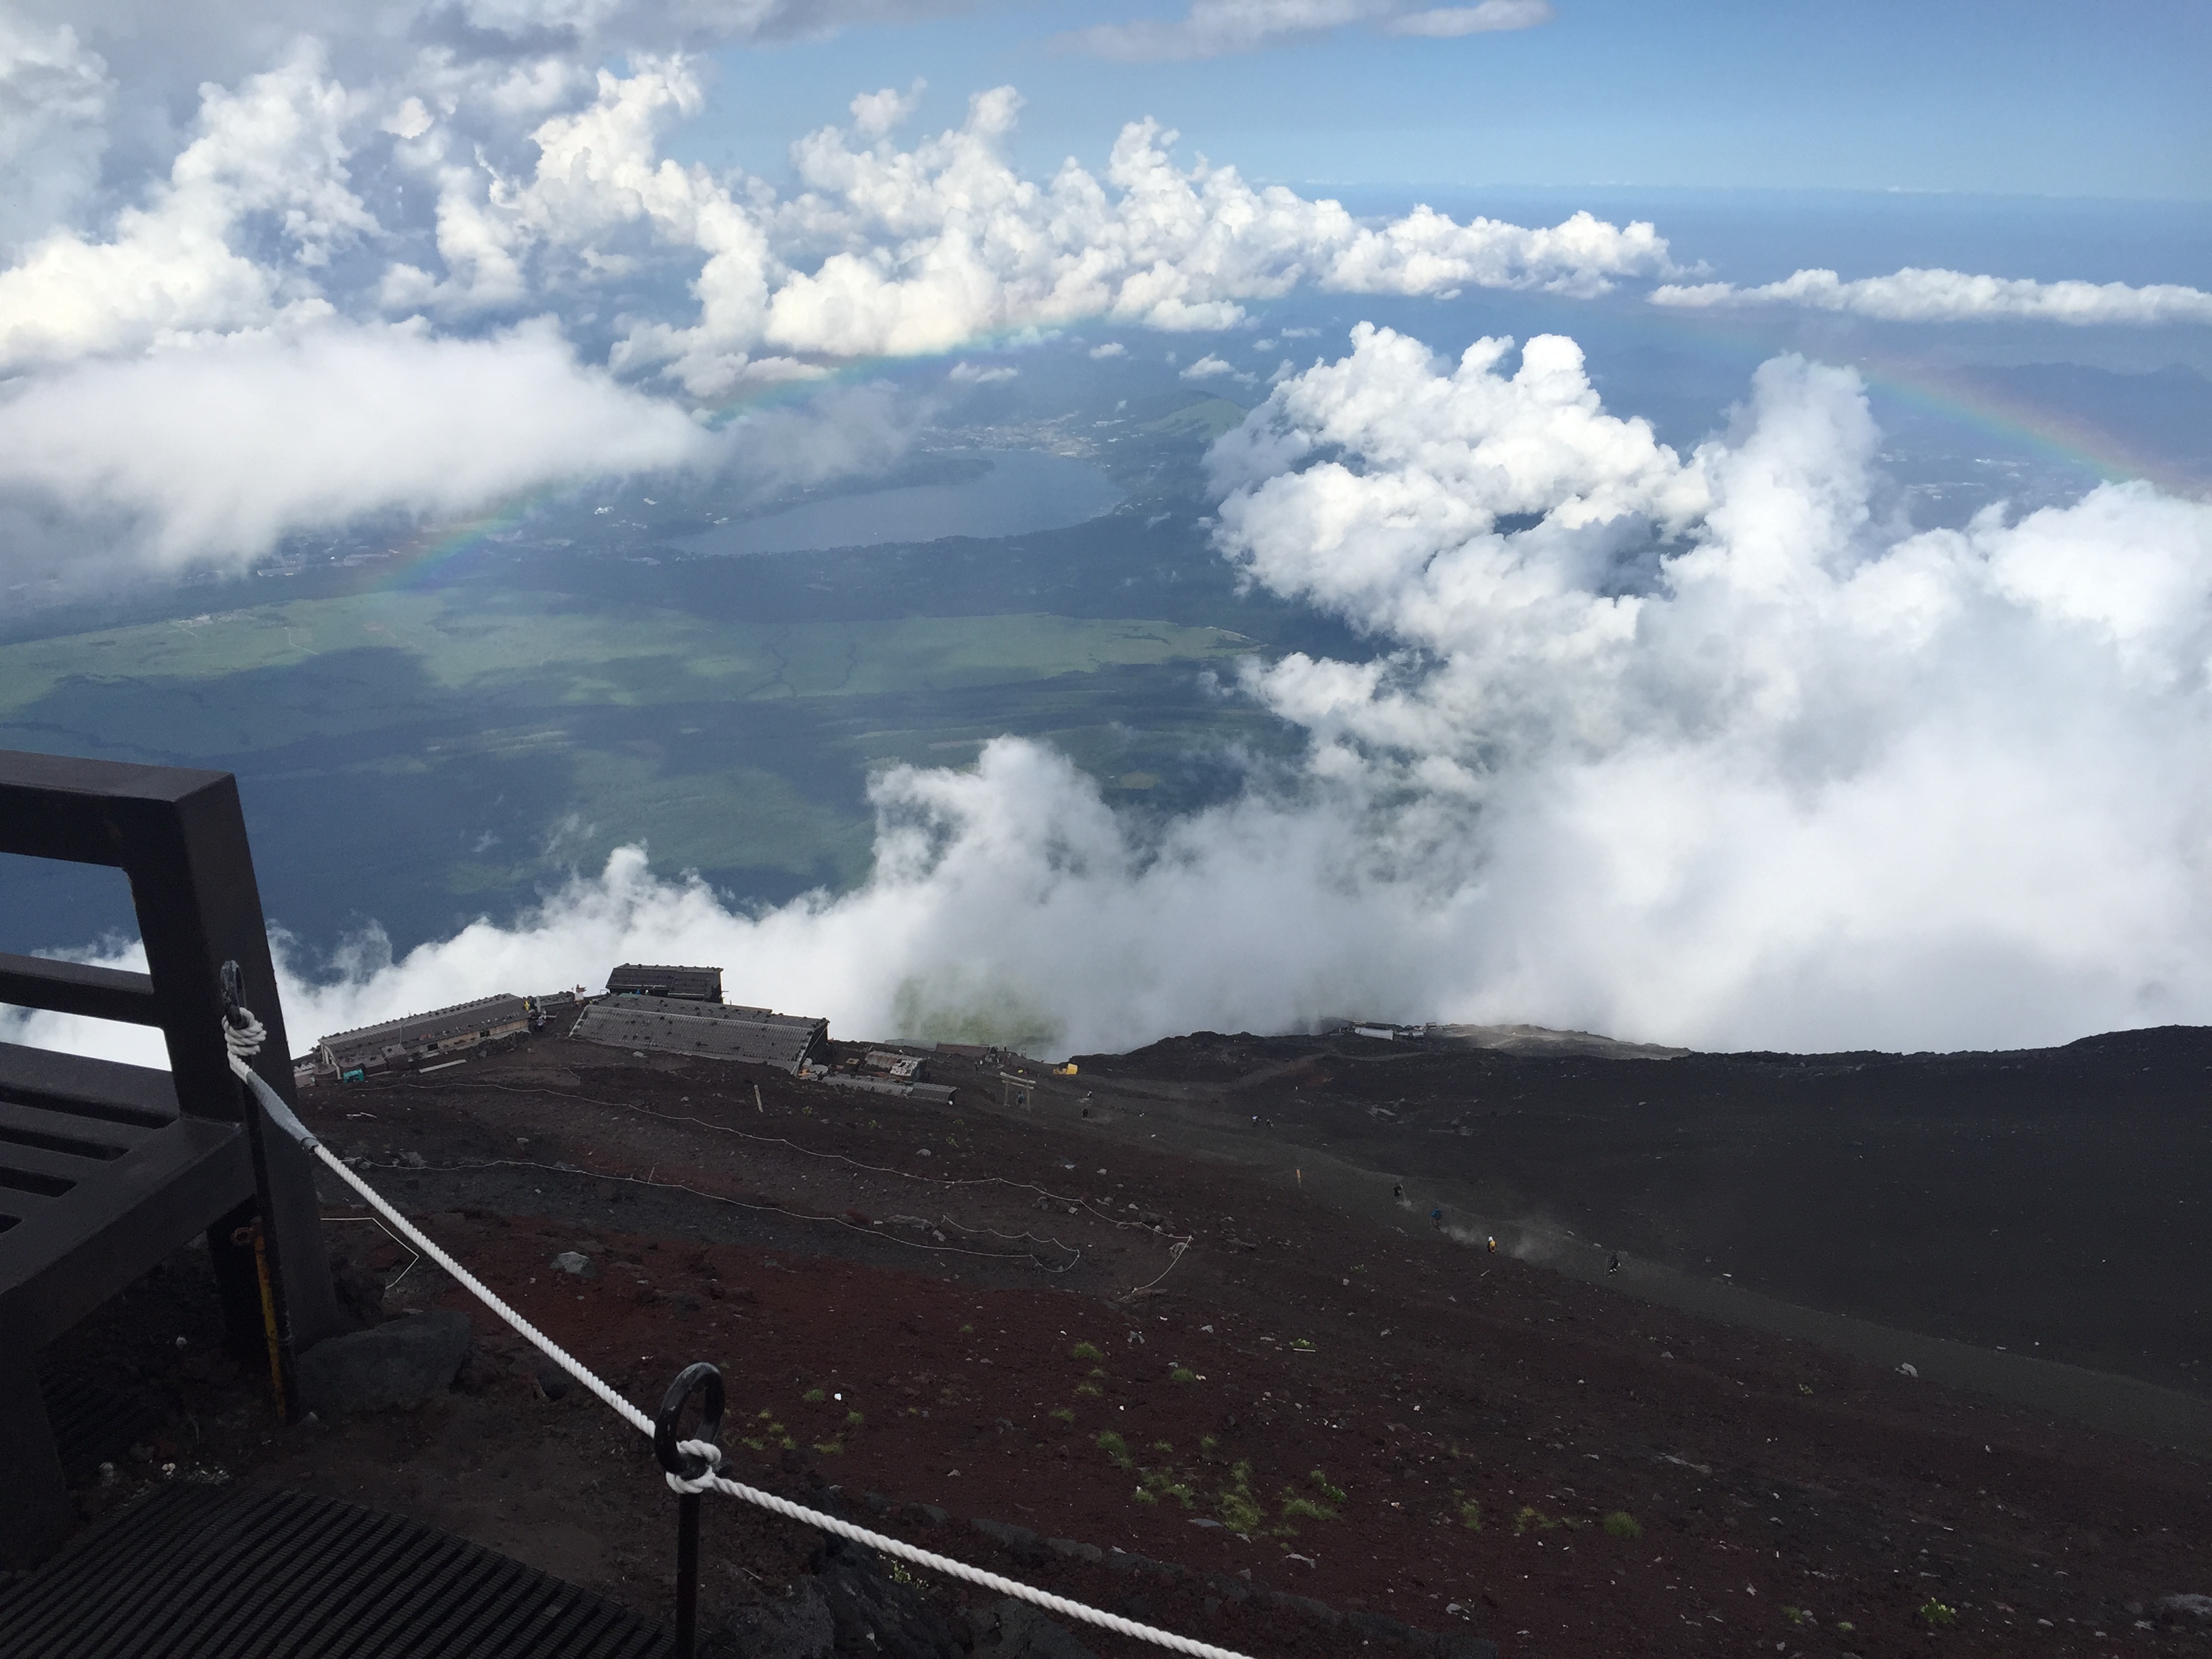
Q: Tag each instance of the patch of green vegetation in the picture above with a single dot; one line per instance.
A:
(1155, 1484)
(1206, 420)
(772, 1433)
(1235, 1505)
(1116, 1450)
(1183, 1374)
(1797, 1615)
(1938, 1614)
(1085, 1351)
(1318, 1504)
(831, 1446)
(1470, 1514)
(1062, 1413)
(1621, 1524)
(518, 646)
(816, 1395)
(1090, 1388)
(855, 1419)
(1528, 1517)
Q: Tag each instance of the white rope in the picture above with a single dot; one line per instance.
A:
(244, 1042)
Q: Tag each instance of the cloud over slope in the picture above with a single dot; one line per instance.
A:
(1712, 748)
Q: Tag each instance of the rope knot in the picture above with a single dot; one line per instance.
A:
(709, 1453)
(244, 1039)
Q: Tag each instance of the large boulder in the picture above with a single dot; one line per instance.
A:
(396, 1365)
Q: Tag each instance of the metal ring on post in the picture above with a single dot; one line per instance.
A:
(687, 1466)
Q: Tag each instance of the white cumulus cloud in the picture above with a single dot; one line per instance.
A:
(213, 450)
(1916, 296)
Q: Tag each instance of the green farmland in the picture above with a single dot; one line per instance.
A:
(419, 758)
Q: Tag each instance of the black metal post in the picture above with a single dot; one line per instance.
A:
(687, 1466)
(687, 1575)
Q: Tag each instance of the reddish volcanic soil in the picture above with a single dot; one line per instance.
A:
(940, 1306)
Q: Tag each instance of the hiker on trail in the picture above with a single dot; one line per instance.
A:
(1398, 1191)
(1494, 1245)
(1613, 1265)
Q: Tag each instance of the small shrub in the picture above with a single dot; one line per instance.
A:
(1163, 1446)
(1238, 1512)
(1936, 1613)
(1322, 1507)
(815, 1396)
(1090, 1389)
(1621, 1524)
(1162, 1483)
(829, 1445)
(1085, 1351)
(1530, 1515)
(1797, 1615)
(1183, 1374)
(1302, 1343)
(1117, 1449)
(1470, 1515)
(855, 1419)
(1062, 1414)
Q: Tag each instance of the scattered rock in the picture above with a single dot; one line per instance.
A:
(576, 1263)
(395, 1366)
(1075, 1548)
(2192, 1606)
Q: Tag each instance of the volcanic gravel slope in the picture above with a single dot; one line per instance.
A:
(986, 1311)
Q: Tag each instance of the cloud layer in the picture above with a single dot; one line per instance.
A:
(1708, 748)
(1217, 28)
(1915, 296)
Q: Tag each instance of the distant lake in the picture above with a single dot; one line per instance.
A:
(1016, 491)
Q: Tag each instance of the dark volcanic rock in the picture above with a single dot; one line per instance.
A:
(1015, 1629)
(396, 1365)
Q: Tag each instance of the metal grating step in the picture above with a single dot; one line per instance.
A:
(239, 1572)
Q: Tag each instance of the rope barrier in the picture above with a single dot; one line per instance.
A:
(243, 1036)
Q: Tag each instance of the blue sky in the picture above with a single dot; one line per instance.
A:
(2034, 98)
